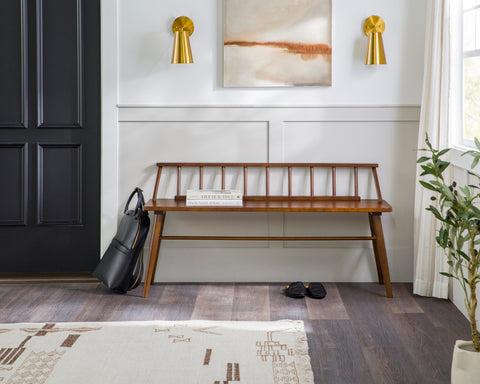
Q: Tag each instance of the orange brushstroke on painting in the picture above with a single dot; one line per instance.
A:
(310, 49)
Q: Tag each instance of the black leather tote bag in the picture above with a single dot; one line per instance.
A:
(121, 267)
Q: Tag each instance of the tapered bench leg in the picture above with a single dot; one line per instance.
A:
(375, 251)
(380, 251)
(154, 249)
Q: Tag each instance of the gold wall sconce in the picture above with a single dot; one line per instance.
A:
(182, 27)
(373, 27)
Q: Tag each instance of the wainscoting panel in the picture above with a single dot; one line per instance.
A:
(384, 135)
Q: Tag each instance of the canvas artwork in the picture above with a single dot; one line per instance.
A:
(275, 43)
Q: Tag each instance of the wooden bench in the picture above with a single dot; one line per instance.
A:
(274, 203)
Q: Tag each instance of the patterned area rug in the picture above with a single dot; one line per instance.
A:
(181, 352)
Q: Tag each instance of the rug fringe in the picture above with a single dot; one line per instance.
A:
(301, 352)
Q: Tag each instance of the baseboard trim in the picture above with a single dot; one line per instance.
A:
(84, 277)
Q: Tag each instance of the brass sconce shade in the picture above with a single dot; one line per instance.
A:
(373, 27)
(183, 28)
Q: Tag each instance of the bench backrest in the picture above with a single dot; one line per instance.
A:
(266, 167)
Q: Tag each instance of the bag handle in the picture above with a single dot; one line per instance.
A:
(140, 200)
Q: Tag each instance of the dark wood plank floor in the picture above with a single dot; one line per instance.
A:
(355, 335)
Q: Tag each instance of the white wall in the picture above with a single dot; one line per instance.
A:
(181, 112)
(147, 77)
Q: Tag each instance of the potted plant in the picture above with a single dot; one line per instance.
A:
(454, 206)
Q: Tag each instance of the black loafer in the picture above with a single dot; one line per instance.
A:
(316, 290)
(296, 290)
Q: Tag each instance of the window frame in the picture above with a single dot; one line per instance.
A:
(457, 142)
(458, 56)
(467, 54)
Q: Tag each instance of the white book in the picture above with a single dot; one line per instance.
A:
(214, 194)
(206, 203)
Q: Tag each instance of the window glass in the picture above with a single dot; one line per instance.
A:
(467, 4)
(469, 30)
(477, 28)
(471, 100)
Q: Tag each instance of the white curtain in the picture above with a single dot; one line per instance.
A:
(434, 120)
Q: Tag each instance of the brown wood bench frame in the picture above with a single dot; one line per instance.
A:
(269, 203)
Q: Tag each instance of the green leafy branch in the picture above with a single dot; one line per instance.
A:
(454, 207)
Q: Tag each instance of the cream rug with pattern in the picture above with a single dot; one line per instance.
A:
(179, 352)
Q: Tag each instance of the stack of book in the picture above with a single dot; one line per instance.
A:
(205, 197)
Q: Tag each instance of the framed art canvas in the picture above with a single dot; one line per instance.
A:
(277, 43)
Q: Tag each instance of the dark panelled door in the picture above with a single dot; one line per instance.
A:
(49, 135)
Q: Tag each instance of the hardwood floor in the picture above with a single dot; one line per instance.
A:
(355, 335)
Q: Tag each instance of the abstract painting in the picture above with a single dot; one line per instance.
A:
(277, 43)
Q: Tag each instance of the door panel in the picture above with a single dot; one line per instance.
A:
(49, 136)
(13, 174)
(60, 63)
(13, 45)
(60, 184)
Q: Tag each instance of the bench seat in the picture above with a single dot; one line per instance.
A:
(368, 205)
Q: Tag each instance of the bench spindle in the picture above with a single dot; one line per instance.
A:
(223, 177)
(334, 181)
(289, 181)
(200, 181)
(355, 172)
(267, 181)
(377, 184)
(179, 180)
(157, 183)
(245, 178)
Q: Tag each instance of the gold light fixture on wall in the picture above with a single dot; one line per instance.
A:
(373, 27)
(182, 27)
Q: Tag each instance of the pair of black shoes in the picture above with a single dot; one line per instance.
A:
(299, 290)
